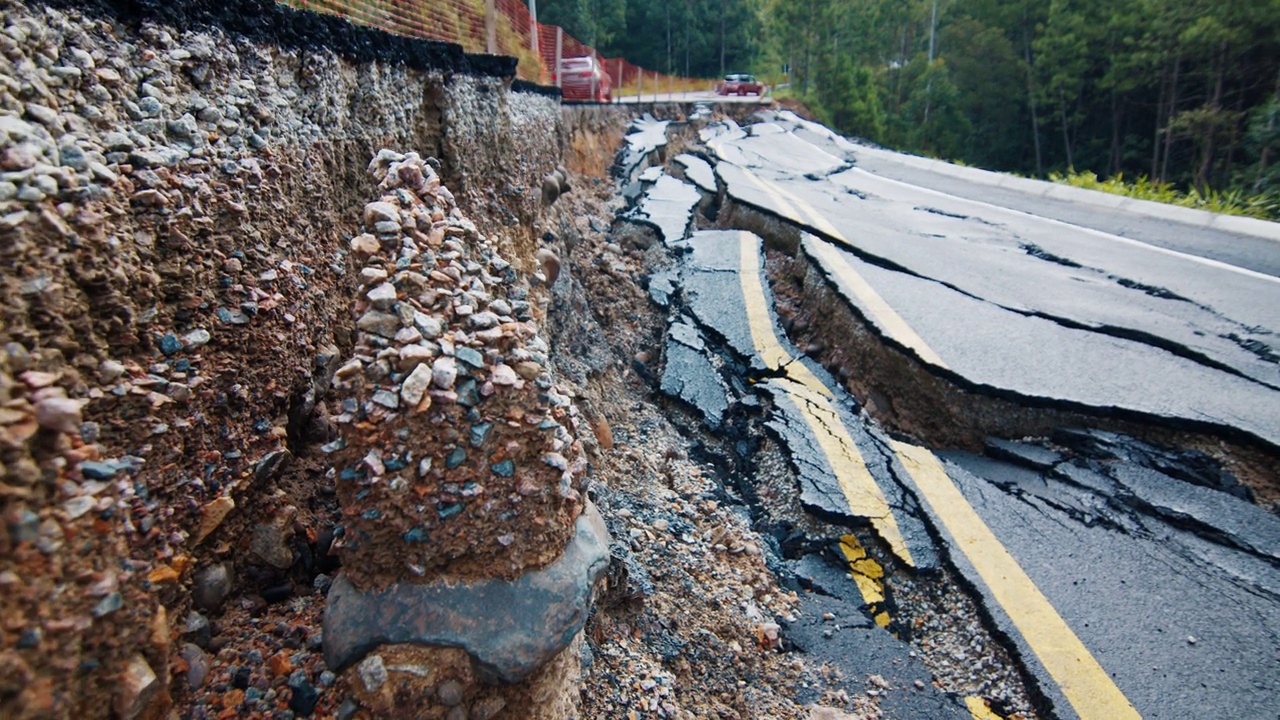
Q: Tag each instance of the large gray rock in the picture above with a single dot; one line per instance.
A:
(510, 628)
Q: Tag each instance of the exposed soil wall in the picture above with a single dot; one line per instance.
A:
(177, 196)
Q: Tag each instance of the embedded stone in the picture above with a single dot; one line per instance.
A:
(376, 212)
(61, 414)
(450, 693)
(379, 323)
(371, 275)
(444, 372)
(271, 542)
(456, 458)
(408, 335)
(415, 386)
(383, 297)
(480, 433)
(470, 356)
(430, 327)
(76, 507)
(197, 338)
(504, 375)
(372, 671)
(468, 393)
(510, 628)
(550, 264)
(136, 687)
(211, 587)
(170, 344)
(528, 369)
(412, 356)
(483, 320)
(365, 245)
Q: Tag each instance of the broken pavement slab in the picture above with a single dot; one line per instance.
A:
(645, 137)
(1179, 313)
(689, 375)
(844, 476)
(989, 348)
(1152, 601)
(844, 473)
(699, 172)
(667, 206)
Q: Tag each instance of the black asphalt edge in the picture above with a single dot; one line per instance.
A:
(532, 88)
(269, 22)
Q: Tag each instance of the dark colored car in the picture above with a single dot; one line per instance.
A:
(582, 79)
(740, 84)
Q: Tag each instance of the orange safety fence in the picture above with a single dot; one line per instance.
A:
(502, 27)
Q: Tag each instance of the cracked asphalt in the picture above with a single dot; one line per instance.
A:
(1124, 577)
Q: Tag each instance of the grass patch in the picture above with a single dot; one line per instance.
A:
(1236, 201)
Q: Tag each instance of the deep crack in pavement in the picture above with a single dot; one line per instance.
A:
(1092, 554)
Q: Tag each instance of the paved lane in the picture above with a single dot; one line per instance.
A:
(1234, 248)
(1018, 304)
(1131, 580)
(849, 468)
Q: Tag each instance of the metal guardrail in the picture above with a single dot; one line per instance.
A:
(502, 27)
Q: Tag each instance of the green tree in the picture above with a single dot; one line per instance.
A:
(849, 97)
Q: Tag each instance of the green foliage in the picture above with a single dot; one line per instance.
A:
(848, 99)
(695, 38)
(1236, 201)
(1186, 92)
(594, 22)
(930, 119)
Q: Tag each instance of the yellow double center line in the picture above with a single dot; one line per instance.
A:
(846, 276)
(1086, 685)
(813, 398)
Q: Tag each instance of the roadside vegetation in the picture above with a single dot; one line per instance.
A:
(1183, 93)
(1233, 201)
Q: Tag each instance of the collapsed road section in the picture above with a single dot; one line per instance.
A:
(1136, 388)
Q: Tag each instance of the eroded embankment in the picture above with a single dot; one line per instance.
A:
(179, 185)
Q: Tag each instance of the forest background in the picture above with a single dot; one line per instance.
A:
(1176, 98)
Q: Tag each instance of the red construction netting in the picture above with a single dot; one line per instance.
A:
(513, 33)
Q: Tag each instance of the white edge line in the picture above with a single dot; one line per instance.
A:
(1217, 264)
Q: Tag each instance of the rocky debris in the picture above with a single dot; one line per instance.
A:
(444, 461)
(461, 479)
(554, 185)
(138, 686)
(549, 265)
(169, 202)
(271, 542)
(211, 587)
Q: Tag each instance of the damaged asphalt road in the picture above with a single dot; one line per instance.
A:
(1172, 588)
(1031, 308)
(1126, 579)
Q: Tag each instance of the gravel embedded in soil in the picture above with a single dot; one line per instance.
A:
(179, 203)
